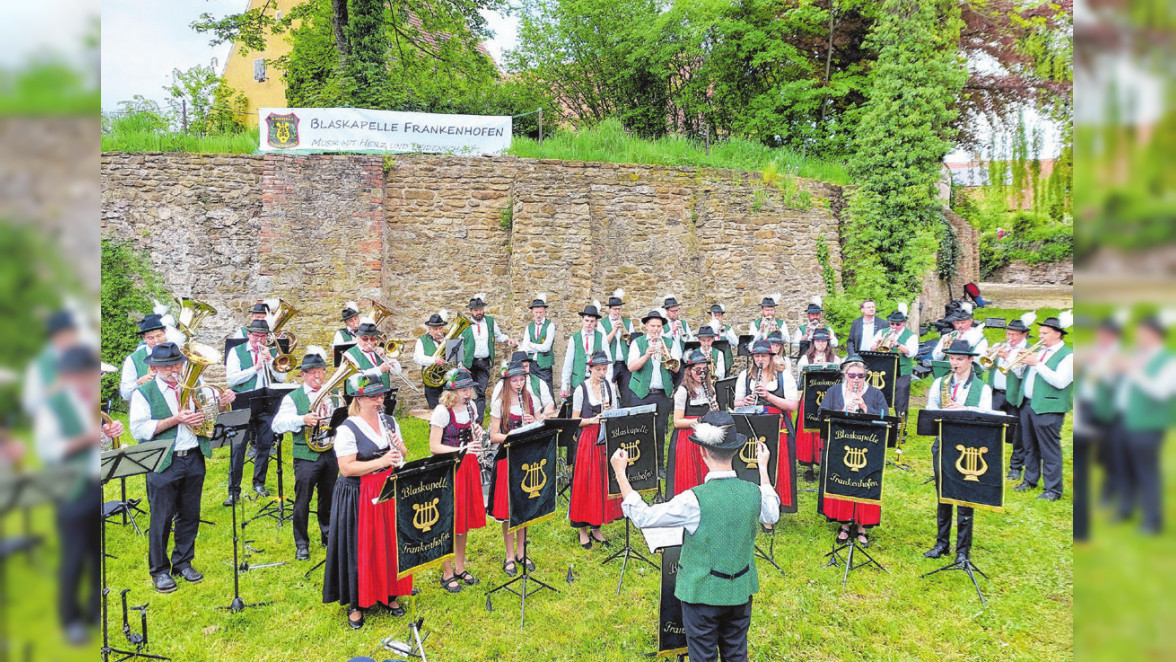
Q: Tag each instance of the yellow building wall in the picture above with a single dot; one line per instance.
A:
(238, 71)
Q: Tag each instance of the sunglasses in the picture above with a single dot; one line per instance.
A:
(856, 375)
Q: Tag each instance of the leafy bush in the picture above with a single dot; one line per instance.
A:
(128, 284)
(1033, 239)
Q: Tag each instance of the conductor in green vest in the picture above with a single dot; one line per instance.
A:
(717, 574)
(1047, 389)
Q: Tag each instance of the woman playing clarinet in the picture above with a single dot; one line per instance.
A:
(693, 398)
(512, 409)
(809, 445)
(360, 569)
(768, 386)
(451, 427)
(853, 394)
(589, 504)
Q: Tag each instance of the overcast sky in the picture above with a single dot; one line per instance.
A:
(44, 26)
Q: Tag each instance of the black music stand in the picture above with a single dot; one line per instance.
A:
(122, 506)
(123, 463)
(627, 551)
(850, 546)
(524, 439)
(744, 414)
(340, 350)
(231, 429)
(566, 440)
(267, 401)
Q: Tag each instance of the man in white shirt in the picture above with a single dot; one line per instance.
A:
(478, 348)
(539, 339)
(350, 317)
(430, 351)
(804, 333)
(651, 382)
(767, 321)
(259, 311)
(863, 329)
(581, 346)
(175, 487)
(1048, 385)
(966, 328)
(676, 327)
(1016, 339)
(135, 371)
(248, 367)
(41, 374)
(615, 327)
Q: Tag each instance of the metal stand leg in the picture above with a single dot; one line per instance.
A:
(626, 552)
(968, 567)
(770, 556)
(525, 577)
(108, 650)
(850, 546)
(241, 566)
(276, 508)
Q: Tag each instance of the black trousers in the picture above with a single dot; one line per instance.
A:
(1142, 484)
(661, 420)
(78, 523)
(433, 395)
(712, 631)
(965, 515)
(1083, 451)
(621, 376)
(543, 374)
(261, 431)
(311, 476)
(480, 371)
(175, 494)
(1000, 402)
(902, 395)
(1043, 448)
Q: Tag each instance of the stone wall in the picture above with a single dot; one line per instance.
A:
(1049, 273)
(419, 233)
(936, 293)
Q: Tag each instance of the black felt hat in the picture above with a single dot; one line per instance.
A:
(435, 320)
(350, 309)
(166, 353)
(654, 314)
(312, 359)
(670, 302)
(540, 300)
(960, 347)
(718, 309)
(259, 308)
(716, 430)
(458, 378)
(62, 320)
(706, 332)
(366, 386)
(590, 311)
(695, 357)
(821, 334)
(257, 326)
(599, 358)
(150, 323)
(478, 301)
(761, 346)
(78, 359)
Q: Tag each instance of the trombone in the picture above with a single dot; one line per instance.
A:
(1019, 360)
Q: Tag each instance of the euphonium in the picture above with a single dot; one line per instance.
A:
(1020, 358)
(393, 347)
(989, 358)
(379, 311)
(192, 313)
(319, 438)
(207, 401)
(284, 361)
(434, 375)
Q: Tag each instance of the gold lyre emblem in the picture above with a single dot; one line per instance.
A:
(820, 397)
(748, 452)
(973, 464)
(534, 478)
(855, 458)
(425, 515)
(633, 448)
(878, 378)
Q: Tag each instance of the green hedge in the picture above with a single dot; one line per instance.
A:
(128, 284)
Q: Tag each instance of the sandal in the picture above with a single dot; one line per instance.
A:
(508, 566)
(527, 562)
(451, 584)
(466, 577)
(356, 624)
(843, 534)
(587, 544)
(599, 541)
(863, 539)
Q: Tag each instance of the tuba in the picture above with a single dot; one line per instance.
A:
(434, 375)
(284, 361)
(206, 399)
(320, 438)
(192, 313)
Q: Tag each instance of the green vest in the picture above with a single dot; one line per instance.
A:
(724, 542)
(619, 347)
(714, 354)
(160, 411)
(467, 338)
(1104, 409)
(1046, 398)
(364, 364)
(302, 406)
(139, 359)
(1144, 412)
(728, 356)
(71, 427)
(906, 364)
(542, 359)
(639, 382)
(428, 344)
(246, 360)
(347, 335)
(579, 358)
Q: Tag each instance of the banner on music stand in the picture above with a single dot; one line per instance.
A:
(814, 382)
(756, 427)
(971, 464)
(671, 632)
(635, 433)
(531, 479)
(855, 455)
(424, 492)
(882, 372)
(725, 393)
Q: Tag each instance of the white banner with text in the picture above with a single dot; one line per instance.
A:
(382, 131)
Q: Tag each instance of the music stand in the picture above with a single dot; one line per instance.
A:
(339, 350)
(627, 551)
(530, 440)
(123, 463)
(267, 402)
(231, 429)
(568, 440)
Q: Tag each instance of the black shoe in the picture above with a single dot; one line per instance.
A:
(163, 582)
(396, 611)
(355, 625)
(510, 567)
(1049, 496)
(937, 551)
(302, 554)
(1014, 474)
(76, 634)
(231, 501)
(1023, 486)
(190, 575)
(261, 491)
(661, 474)
(810, 476)
(415, 591)
(961, 559)
(527, 562)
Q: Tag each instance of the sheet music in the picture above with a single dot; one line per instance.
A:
(526, 428)
(660, 537)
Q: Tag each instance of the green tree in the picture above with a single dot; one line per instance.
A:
(128, 284)
(200, 101)
(906, 130)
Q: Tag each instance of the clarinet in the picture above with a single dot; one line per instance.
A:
(486, 457)
(709, 390)
(519, 395)
(755, 387)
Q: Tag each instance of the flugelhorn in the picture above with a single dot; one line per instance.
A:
(192, 313)
(319, 438)
(947, 340)
(206, 398)
(989, 358)
(1019, 360)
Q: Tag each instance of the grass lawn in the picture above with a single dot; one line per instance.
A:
(803, 613)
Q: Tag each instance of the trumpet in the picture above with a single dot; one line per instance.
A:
(989, 358)
(1019, 360)
(888, 340)
(767, 326)
(947, 340)
(664, 355)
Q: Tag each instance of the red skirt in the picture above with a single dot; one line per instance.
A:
(689, 469)
(469, 509)
(377, 545)
(500, 508)
(848, 511)
(783, 462)
(809, 445)
(589, 505)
